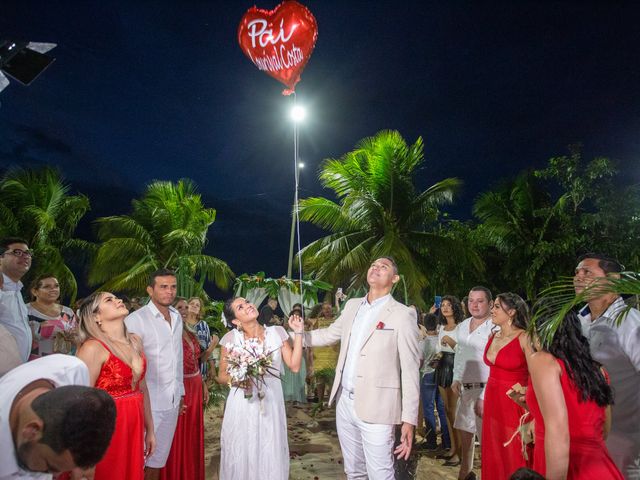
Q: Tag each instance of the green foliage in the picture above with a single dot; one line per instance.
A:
(166, 229)
(217, 394)
(559, 298)
(379, 212)
(310, 288)
(36, 205)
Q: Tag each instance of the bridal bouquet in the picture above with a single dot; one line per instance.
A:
(247, 364)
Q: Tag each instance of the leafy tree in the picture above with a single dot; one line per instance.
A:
(380, 212)
(166, 229)
(603, 211)
(36, 205)
(519, 220)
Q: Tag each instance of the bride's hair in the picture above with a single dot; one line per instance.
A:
(229, 314)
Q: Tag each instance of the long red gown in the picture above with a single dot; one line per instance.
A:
(125, 455)
(186, 458)
(588, 455)
(502, 415)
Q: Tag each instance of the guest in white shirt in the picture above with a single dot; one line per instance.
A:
(617, 348)
(470, 374)
(15, 262)
(51, 421)
(159, 325)
(9, 355)
(450, 315)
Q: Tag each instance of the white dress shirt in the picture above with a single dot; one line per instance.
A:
(362, 324)
(60, 370)
(163, 348)
(13, 315)
(9, 355)
(468, 365)
(617, 348)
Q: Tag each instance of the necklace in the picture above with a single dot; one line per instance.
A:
(126, 341)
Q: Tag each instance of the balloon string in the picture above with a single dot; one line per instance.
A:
(296, 202)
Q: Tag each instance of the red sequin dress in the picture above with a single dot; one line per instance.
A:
(588, 455)
(125, 456)
(502, 415)
(186, 458)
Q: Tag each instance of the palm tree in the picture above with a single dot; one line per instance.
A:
(380, 212)
(36, 205)
(166, 229)
(520, 221)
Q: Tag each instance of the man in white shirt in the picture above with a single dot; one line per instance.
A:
(159, 325)
(377, 379)
(617, 348)
(470, 375)
(51, 421)
(15, 261)
(9, 355)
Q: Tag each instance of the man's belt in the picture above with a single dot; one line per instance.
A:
(469, 386)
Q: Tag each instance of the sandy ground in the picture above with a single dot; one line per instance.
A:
(314, 448)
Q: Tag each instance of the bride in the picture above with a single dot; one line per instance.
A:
(253, 440)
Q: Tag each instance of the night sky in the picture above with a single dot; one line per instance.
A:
(145, 90)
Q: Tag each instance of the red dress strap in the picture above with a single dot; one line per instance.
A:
(103, 344)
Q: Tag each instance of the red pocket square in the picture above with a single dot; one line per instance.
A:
(380, 326)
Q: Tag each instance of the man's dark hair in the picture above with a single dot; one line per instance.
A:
(393, 263)
(163, 272)
(5, 242)
(430, 321)
(79, 419)
(606, 263)
(487, 292)
(524, 473)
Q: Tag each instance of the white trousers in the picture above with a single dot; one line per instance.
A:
(164, 424)
(367, 448)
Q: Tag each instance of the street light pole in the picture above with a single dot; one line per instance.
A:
(297, 115)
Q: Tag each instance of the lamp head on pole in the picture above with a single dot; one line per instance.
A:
(298, 113)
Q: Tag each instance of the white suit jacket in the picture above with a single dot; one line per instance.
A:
(387, 383)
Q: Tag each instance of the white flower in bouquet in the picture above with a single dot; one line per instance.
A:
(247, 364)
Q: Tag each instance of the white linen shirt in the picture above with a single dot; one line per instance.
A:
(60, 370)
(617, 348)
(13, 315)
(163, 348)
(468, 364)
(362, 323)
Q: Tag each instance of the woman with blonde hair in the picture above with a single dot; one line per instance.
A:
(117, 365)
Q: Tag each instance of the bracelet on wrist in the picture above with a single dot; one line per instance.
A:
(298, 333)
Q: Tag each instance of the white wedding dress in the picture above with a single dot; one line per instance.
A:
(253, 439)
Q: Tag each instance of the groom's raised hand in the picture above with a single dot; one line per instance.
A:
(406, 442)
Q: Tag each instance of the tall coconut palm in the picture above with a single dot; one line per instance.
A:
(36, 205)
(166, 229)
(380, 212)
(521, 222)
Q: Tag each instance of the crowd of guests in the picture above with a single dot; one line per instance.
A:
(568, 408)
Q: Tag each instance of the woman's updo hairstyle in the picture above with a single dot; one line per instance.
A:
(227, 311)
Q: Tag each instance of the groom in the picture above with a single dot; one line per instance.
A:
(377, 381)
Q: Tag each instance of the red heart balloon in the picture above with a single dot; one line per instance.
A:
(280, 41)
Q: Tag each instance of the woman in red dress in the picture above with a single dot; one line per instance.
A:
(186, 458)
(117, 365)
(569, 398)
(505, 354)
